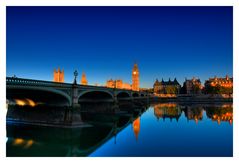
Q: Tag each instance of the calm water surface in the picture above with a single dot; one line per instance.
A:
(162, 130)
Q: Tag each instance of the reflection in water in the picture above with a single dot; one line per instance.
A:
(194, 113)
(136, 127)
(96, 140)
(18, 141)
(21, 142)
(24, 102)
(173, 111)
(224, 114)
(167, 110)
(42, 141)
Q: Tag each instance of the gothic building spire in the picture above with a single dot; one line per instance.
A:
(83, 79)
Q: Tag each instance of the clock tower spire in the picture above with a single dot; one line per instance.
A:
(135, 78)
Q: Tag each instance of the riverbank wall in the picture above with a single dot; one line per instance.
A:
(193, 99)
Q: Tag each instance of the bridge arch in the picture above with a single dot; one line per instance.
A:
(40, 90)
(96, 95)
(123, 94)
(135, 94)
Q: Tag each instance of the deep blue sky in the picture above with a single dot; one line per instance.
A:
(106, 41)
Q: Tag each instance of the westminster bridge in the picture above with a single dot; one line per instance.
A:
(66, 94)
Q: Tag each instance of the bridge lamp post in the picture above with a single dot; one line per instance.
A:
(75, 74)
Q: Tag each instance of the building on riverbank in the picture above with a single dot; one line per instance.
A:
(166, 87)
(192, 86)
(118, 84)
(219, 85)
(121, 85)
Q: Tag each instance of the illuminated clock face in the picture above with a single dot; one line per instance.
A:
(134, 72)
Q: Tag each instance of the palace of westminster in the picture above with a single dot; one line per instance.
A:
(190, 86)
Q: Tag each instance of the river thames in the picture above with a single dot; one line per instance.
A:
(162, 129)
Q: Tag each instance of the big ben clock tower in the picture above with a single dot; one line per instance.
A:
(135, 78)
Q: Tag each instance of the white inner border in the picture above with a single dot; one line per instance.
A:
(4, 3)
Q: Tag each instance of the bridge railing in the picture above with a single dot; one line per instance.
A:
(22, 81)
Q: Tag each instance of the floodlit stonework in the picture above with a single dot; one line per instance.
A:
(121, 85)
(58, 75)
(83, 79)
(135, 78)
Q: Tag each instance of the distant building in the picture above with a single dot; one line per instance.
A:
(192, 86)
(135, 78)
(121, 85)
(219, 85)
(83, 79)
(118, 84)
(126, 86)
(110, 83)
(58, 75)
(223, 82)
(166, 87)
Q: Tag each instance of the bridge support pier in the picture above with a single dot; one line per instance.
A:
(75, 103)
(115, 105)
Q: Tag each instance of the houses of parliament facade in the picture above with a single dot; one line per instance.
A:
(58, 76)
(121, 85)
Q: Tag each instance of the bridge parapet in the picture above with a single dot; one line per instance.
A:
(32, 82)
(72, 91)
(22, 81)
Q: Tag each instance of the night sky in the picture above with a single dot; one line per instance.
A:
(105, 42)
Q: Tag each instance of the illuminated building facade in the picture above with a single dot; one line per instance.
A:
(135, 78)
(110, 83)
(223, 82)
(118, 84)
(58, 75)
(219, 85)
(83, 79)
(192, 86)
(166, 87)
(121, 85)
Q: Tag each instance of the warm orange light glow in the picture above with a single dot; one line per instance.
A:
(136, 127)
(29, 143)
(25, 102)
(20, 102)
(58, 75)
(31, 102)
(165, 95)
(228, 116)
(18, 141)
(218, 121)
(134, 72)
(168, 105)
(196, 120)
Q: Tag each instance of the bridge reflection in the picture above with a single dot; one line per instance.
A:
(51, 141)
